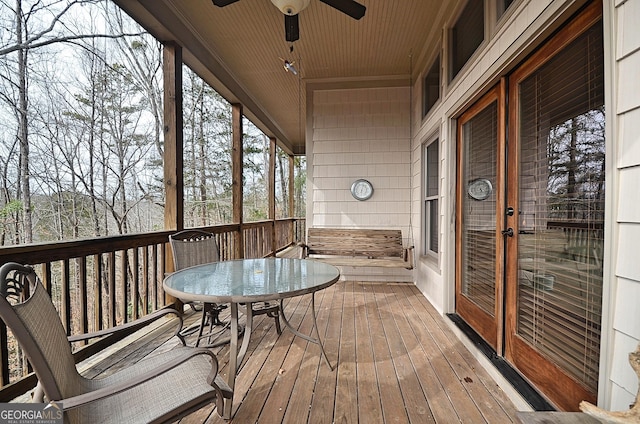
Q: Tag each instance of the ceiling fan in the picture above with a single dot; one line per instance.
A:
(291, 8)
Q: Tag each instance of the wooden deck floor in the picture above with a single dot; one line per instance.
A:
(397, 362)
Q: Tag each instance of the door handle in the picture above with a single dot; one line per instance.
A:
(508, 232)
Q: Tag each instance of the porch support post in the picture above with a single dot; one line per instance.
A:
(173, 147)
(173, 143)
(272, 192)
(292, 195)
(236, 176)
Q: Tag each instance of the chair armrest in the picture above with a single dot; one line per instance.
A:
(130, 326)
(85, 398)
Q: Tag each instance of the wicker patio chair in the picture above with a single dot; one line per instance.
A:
(161, 388)
(196, 247)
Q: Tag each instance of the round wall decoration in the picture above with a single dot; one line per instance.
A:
(361, 189)
(480, 189)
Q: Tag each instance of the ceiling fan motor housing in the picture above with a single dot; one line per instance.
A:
(291, 7)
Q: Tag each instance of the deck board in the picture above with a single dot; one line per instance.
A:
(450, 368)
(346, 403)
(369, 400)
(282, 389)
(425, 354)
(481, 374)
(393, 405)
(297, 409)
(324, 396)
(410, 358)
(397, 362)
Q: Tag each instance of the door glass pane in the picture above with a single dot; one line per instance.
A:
(479, 208)
(561, 210)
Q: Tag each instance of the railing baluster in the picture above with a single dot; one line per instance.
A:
(160, 298)
(65, 296)
(156, 270)
(46, 277)
(145, 279)
(111, 263)
(4, 354)
(134, 284)
(82, 286)
(97, 292)
(122, 287)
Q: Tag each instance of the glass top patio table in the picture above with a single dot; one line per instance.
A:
(248, 281)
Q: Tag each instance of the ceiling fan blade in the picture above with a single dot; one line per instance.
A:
(350, 7)
(291, 28)
(223, 3)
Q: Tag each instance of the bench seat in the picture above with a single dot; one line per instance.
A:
(358, 247)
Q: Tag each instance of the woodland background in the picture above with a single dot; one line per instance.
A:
(81, 142)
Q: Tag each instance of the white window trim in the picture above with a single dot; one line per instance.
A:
(425, 201)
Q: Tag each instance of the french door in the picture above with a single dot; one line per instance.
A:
(480, 195)
(530, 214)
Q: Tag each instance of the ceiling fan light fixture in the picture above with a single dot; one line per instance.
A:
(291, 7)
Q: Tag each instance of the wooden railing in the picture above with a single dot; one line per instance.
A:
(102, 282)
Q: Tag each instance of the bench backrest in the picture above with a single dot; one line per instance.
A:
(374, 243)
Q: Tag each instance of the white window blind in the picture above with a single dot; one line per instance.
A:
(561, 192)
(479, 239)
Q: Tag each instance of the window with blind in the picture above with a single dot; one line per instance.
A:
(431, 193)
(561, 195)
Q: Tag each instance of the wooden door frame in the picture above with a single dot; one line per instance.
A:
(549, 378)
(489, 329)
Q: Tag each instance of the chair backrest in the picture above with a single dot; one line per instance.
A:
(193, 247)
(26, 308)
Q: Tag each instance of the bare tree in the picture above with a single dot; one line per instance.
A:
(99, 133)
(34, 25)
(207, 138)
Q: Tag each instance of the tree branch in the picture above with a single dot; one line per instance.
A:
(67, 39)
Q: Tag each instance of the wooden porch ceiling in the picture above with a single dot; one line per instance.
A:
(397, 361)
(238, 50)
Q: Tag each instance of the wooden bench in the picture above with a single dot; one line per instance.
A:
(358, 247)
